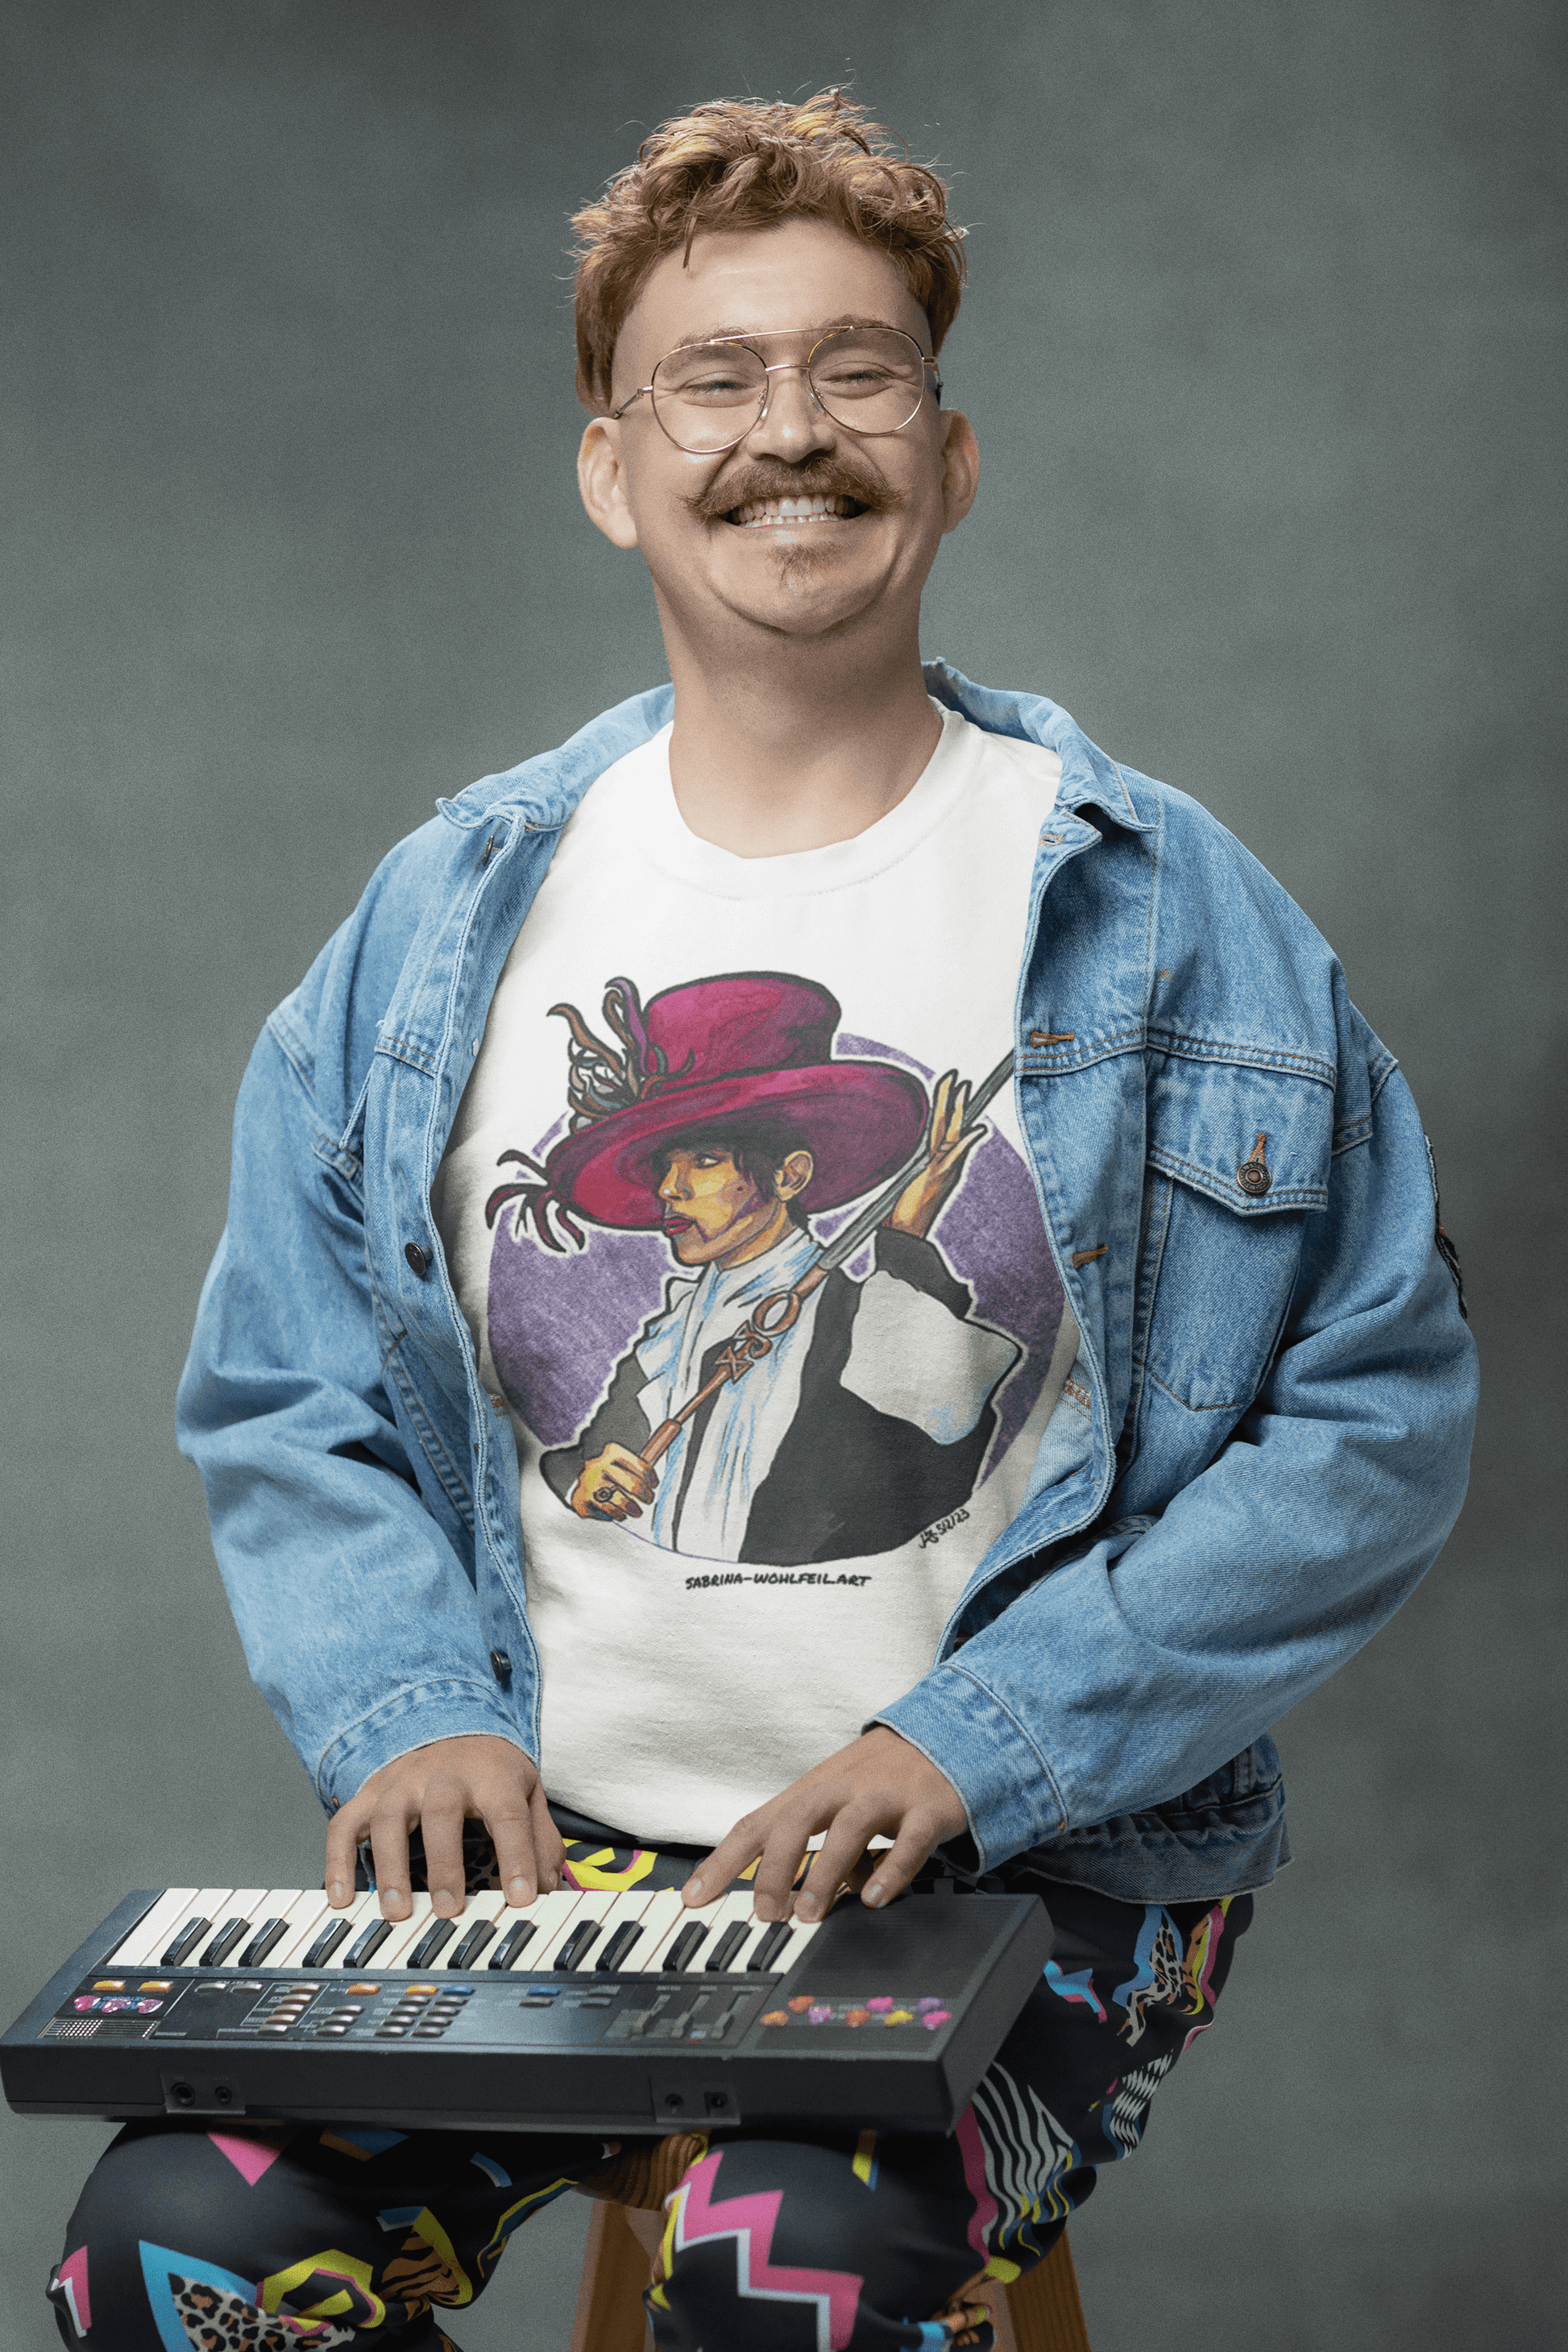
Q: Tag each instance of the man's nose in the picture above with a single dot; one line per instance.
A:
(794, 423)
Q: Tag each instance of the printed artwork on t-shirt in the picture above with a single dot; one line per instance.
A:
(755, 1292)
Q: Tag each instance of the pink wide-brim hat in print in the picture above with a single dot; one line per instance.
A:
(744, 1044)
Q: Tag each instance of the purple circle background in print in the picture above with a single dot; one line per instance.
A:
(560, 1322)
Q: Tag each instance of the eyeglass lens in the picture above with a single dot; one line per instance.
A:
(868, 379)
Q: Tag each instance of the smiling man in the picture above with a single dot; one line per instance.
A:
(1126, 1388)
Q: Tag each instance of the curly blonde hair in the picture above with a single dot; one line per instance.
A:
(738, 163)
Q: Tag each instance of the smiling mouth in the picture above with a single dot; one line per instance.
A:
(760, 514)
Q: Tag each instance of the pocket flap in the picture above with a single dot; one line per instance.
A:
(1254, 1138)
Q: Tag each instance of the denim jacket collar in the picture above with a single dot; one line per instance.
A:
(543, 791)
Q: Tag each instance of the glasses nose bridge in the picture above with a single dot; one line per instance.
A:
(787, 367)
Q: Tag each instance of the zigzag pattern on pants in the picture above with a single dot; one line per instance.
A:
(750, 2220)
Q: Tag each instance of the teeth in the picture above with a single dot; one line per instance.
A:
(814, 509)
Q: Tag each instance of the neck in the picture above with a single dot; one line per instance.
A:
(808, 749)
(779, 1226)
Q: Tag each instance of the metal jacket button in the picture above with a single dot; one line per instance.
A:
(417, 1258)
(501, 1665)
(1254, 1175)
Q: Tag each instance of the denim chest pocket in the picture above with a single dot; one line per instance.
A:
(1238, 1155)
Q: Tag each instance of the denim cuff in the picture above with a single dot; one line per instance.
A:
(412, 1718)
(955, 1723)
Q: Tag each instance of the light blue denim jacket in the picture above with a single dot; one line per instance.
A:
(1262, 1446)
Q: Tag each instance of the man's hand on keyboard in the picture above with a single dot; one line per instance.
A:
(878, 1786)
(478, 1777)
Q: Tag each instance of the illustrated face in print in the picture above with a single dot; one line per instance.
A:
(718, 1211)
(720, 1300)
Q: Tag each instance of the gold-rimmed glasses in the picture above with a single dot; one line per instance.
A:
(708, 396)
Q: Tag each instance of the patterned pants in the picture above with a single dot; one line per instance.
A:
(273, 2239)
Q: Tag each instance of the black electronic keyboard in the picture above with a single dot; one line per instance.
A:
(611, 2013)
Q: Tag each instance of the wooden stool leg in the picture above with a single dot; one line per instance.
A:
(1044, 2312)
(615, 2269)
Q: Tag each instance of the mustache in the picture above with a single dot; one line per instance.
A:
(827, 479)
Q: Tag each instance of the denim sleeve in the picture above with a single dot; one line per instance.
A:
(1149, 1656)
(354, 1604)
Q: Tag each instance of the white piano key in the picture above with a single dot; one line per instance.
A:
(272, 1904)
(369, 1924)
(688, 1916)
(151, 1932)
(240, 1905)
(552, 1917)
(406, 1934)
(628, 1905)
(734, 1911)
(306, 1914)
(756, 1930)
(309, 1915)
(358, 1916)
(207, 1903)
(663, 1915)
(488, 1903)
(595, 1904)
(799, 1935)
(801, 1932)
(446, 1943)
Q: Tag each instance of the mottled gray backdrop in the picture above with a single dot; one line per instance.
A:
(1265, 351)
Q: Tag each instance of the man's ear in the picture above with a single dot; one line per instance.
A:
(959, 467)
(794, 1175)
(601, 479)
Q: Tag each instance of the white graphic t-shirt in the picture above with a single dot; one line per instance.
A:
(737, 1209)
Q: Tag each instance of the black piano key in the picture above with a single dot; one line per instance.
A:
(223, 1943)
(267, 1936)
(728, 1945)
(467, 1952)
(512, 1942)
(686, 1946)
(437, 1940)
(770, 1944)
(369, 1944)
(325, 1945)
(620, 1944)
(582, 1939)
(185, 1943)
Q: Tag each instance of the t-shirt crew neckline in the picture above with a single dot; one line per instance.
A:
(670, 844)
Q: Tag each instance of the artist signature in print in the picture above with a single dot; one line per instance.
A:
(773, 1576)
(943, 1527)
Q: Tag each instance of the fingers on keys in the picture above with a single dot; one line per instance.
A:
(514, 1823)
(441, 1812)
(550, 1852)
